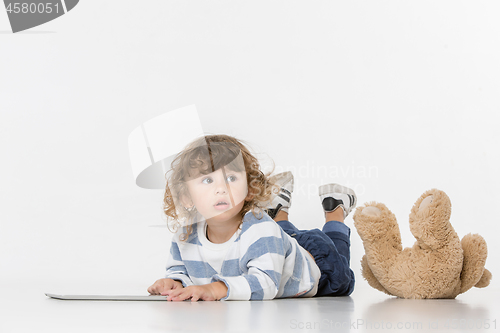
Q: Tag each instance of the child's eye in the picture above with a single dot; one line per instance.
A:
(231, 178)
(207, 180)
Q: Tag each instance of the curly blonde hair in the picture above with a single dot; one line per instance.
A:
(208, 154)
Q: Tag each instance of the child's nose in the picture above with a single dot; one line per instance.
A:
(221, 187)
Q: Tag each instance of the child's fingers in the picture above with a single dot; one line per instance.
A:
(161, 286)
(156, 288)
(198, 294)
(180, 294)
(172, 293)
(152, 290)
(164, 285)
(168, 292)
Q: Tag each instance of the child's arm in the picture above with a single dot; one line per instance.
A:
(176, 277)
(263, 263)
(176, 270)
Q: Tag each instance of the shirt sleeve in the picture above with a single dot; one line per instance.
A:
(262, 261)
(176, 270)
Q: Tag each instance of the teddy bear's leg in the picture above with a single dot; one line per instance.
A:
(379, 231)
(485, 279)
(369, 277)
(473, 271)
(430, 221)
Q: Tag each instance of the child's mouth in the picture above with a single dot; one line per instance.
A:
(221, 205)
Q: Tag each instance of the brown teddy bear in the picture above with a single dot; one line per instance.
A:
(438, 265)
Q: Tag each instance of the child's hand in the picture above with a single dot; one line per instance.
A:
(207, 292)
(161, 286)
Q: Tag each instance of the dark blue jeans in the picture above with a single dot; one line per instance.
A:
(330, 249)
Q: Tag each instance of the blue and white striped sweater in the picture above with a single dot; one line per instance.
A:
(263, 262)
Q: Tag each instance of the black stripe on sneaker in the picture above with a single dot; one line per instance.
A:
(287, 199)
(284, 190)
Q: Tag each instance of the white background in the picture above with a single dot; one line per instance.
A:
(391, 98)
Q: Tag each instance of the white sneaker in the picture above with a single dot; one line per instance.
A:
(334, 195)
(282, 199)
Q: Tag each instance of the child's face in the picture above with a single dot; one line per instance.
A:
(219, 195)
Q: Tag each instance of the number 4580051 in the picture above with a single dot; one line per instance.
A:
(24, 7)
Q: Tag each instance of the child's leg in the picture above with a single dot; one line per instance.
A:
(337, 201)
(337, 231)
(281, 216)
(340, 235)
(336, 215)
(330, 249)
(337, 279)
(282, 220)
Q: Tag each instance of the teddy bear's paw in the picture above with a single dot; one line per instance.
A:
(425, 203)
(485, 279)
(433, 203)
(371, 211)
(430, 221)
(375, 222)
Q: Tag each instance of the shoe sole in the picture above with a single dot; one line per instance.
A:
(282, 178)
(335, 188)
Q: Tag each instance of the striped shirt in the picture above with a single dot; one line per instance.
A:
(259, 262)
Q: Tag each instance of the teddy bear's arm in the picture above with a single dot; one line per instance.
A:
(379, 231)
(369, 277)
(475, 253)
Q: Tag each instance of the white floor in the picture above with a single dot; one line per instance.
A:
(25, 308)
